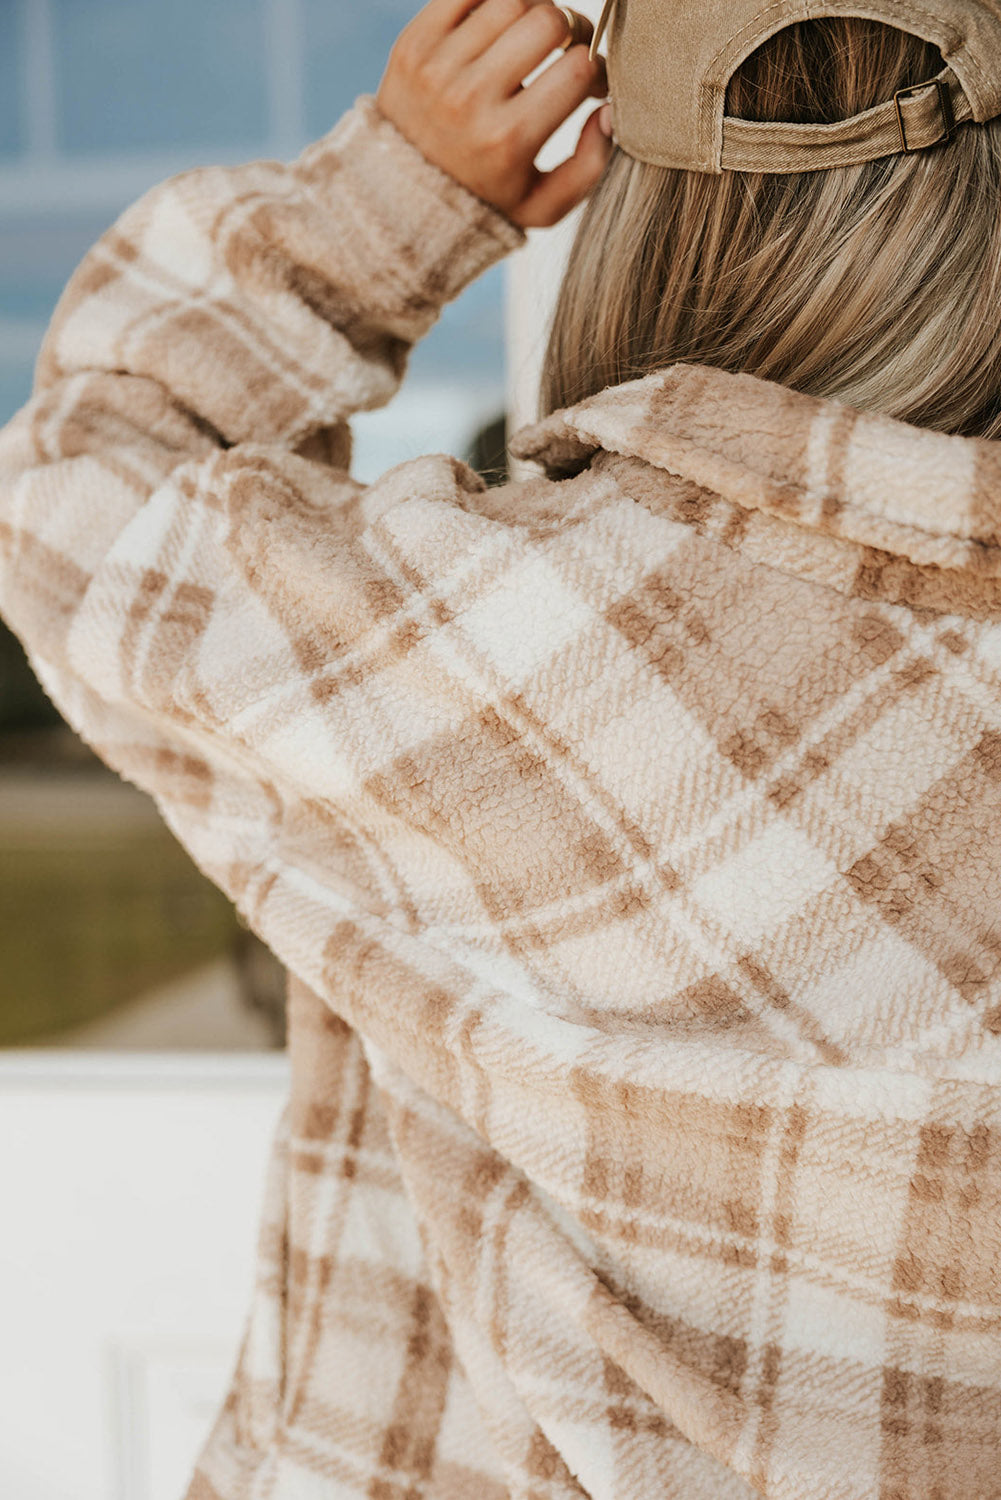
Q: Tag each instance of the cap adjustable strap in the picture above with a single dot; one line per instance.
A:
(913, 119)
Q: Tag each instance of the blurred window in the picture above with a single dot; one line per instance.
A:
(11, 128)
(139, 74)
(100, 99)
(348, 46)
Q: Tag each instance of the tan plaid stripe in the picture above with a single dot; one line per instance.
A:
(634, 839)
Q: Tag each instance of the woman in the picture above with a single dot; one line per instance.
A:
(631, 833)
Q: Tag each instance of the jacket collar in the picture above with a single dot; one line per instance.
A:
(926, 497)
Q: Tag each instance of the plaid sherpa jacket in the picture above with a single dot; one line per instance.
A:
(632, 836)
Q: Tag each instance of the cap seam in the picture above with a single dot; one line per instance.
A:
(711, 141)
(901, 9)
(715, 144)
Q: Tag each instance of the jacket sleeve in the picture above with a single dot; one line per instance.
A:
(189, 565)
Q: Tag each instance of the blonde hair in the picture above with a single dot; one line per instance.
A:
(878, 285)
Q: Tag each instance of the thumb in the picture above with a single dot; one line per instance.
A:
(558, 192)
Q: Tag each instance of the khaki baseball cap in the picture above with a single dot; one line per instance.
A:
(669, 64)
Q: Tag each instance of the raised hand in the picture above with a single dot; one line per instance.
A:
(455, 88)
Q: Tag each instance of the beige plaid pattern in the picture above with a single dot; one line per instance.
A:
(632, 834)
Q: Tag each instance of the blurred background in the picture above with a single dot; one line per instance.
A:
(110, 938)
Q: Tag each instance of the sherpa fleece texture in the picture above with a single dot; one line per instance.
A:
(633, 840)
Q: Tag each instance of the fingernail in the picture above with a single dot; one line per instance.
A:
(605, 120)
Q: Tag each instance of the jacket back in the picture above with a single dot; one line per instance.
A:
(631, 836)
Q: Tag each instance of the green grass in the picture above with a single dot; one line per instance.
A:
(87, 925)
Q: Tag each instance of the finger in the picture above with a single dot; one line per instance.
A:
(436, 21)
(581, 28)
(550, 100)
(558, 192)
(520, 50)
(486, 25)
(599, 89)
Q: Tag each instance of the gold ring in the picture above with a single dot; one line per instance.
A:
(581, 29)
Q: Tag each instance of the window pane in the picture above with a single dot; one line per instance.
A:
(346, 51)
(37, 254)
(134, 74)
(11, 41)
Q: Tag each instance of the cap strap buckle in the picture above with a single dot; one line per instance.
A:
(945, 104)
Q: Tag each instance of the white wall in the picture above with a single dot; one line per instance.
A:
(130, 1189)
